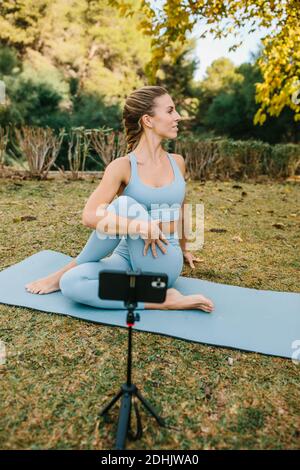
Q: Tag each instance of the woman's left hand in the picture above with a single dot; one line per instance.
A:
(190, 258)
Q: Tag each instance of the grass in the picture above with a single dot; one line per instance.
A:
(60, 371)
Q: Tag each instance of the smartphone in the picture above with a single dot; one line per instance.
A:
(144, 286)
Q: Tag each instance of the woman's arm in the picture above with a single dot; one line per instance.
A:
(95, 209)
(184, 227)
(104, 193)
(183, 223)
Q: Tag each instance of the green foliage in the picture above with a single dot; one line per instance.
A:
(32, 104)
(75, 68)
(226, 158)
(279, 62)
(89, 110)
(83, 55)
(286, 158)
(180, 83)
(221, 76)
(227, 107)
(257, 157)
(21, 21)
(9, 62)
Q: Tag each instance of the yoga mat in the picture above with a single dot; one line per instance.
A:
(255, 320)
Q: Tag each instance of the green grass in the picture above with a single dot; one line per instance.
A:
(61, 371)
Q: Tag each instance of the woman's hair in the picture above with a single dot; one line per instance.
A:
(138, 103)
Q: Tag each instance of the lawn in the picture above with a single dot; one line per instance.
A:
(61, 371)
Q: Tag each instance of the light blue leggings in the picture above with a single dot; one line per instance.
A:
(81, 283)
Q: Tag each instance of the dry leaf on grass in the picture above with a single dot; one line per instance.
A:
(237, 238)
(24, 217)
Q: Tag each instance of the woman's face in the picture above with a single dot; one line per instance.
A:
(164, 123)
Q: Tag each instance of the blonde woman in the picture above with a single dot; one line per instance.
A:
(150, 188)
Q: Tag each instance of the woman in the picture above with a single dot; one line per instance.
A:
(146, 177)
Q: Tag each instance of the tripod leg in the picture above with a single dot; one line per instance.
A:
(124, 417)
(147, 405)
(113, 401)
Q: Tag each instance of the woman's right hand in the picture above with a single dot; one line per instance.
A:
(152, 235)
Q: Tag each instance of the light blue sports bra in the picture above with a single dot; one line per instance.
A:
(162, 203)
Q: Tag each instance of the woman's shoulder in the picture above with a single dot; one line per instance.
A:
(125, 168)
(120, 166)
(125, 163)
(180, 162)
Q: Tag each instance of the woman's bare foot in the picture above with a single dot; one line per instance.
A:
(177, 301)
(44, 285)
(49, 283)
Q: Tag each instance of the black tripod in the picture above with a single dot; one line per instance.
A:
(127, 391)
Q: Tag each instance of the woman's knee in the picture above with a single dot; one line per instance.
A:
(63, 283)
(175, 272)
(171, 280)
(67, 281)
(127, 206)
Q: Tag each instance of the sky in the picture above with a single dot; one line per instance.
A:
(209, 49)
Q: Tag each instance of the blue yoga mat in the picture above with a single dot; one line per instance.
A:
(261, 321)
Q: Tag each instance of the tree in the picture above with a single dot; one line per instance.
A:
(20, 22)
(220, 75)
(86, 40)
(219, 78)
(176, 74)
(232, 109)
(280, 60)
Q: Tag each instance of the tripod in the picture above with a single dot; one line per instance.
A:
(128, 390)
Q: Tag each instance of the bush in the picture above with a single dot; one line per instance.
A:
(226, 158)
(205, 159)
